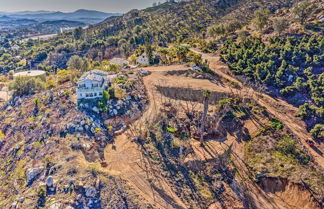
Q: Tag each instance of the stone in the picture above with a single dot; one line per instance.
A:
(95, 109)
(56, 205)
(21, 199)
(32, 174)
(71, 181)
(90, 192)
(200, 76)
(49, 181)
(115, 112)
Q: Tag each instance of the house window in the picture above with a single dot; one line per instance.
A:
(80, 95)
(100, 93)
(87, 95)
(95, 94)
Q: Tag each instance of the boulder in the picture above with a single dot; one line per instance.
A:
(95, 109)
(49, 181)
(90, 192)
(32, 174)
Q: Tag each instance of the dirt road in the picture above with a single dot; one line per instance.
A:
(125, 159)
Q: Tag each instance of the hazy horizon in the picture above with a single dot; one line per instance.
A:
(116, 6)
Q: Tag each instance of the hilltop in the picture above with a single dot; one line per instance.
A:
(211, 104)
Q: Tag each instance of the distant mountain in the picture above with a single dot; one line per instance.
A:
(53, 26)
(33, 12)
(11, 22)
(82, 15)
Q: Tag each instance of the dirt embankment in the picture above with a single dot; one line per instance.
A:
(290, 194)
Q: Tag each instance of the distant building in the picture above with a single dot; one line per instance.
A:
(93, 83)
(143, 59)
(30, 73)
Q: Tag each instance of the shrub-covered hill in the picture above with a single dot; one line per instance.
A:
(159, 25)
(43, 139)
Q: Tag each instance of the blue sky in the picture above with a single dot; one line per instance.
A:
(71, 5)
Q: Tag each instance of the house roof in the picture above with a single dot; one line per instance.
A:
(94, 75)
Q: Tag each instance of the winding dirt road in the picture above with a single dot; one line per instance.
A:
(125, 158)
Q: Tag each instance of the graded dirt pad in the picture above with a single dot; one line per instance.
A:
(290, 194)
(125, 159)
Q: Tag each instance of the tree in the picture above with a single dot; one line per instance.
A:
(206, 95)
(261, 18)
(216, 30)
(106, 96)
(318, 131)
(77, 33)
(75, 62)
(180, 52)
(280, 24)
(149, 53)
(26, 85)
(302, 10)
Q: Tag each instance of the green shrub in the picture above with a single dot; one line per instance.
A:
(120, 93)
(317, 131)
(276, 124)
(287, 145)
(172, 129)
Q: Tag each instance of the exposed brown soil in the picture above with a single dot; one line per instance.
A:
(290, 194)
(125, 159)
(279, 108)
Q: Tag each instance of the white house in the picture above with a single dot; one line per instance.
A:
(143, 59)
(93, 83)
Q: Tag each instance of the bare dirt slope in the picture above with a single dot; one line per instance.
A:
(126, 160)
(278, 107)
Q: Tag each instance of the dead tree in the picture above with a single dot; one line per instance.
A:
(204, 116)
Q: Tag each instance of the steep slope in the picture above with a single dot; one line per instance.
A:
(47, 149)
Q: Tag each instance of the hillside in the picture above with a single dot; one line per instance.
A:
(59, 155)
(122, 35)
(208, 104)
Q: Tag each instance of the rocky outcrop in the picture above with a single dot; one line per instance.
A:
(32, 174)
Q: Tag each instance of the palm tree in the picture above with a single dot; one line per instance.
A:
(206, 94)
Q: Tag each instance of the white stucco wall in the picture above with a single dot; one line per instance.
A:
(89, 90)
(143, 60)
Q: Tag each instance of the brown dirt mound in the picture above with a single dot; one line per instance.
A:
(292, 194)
